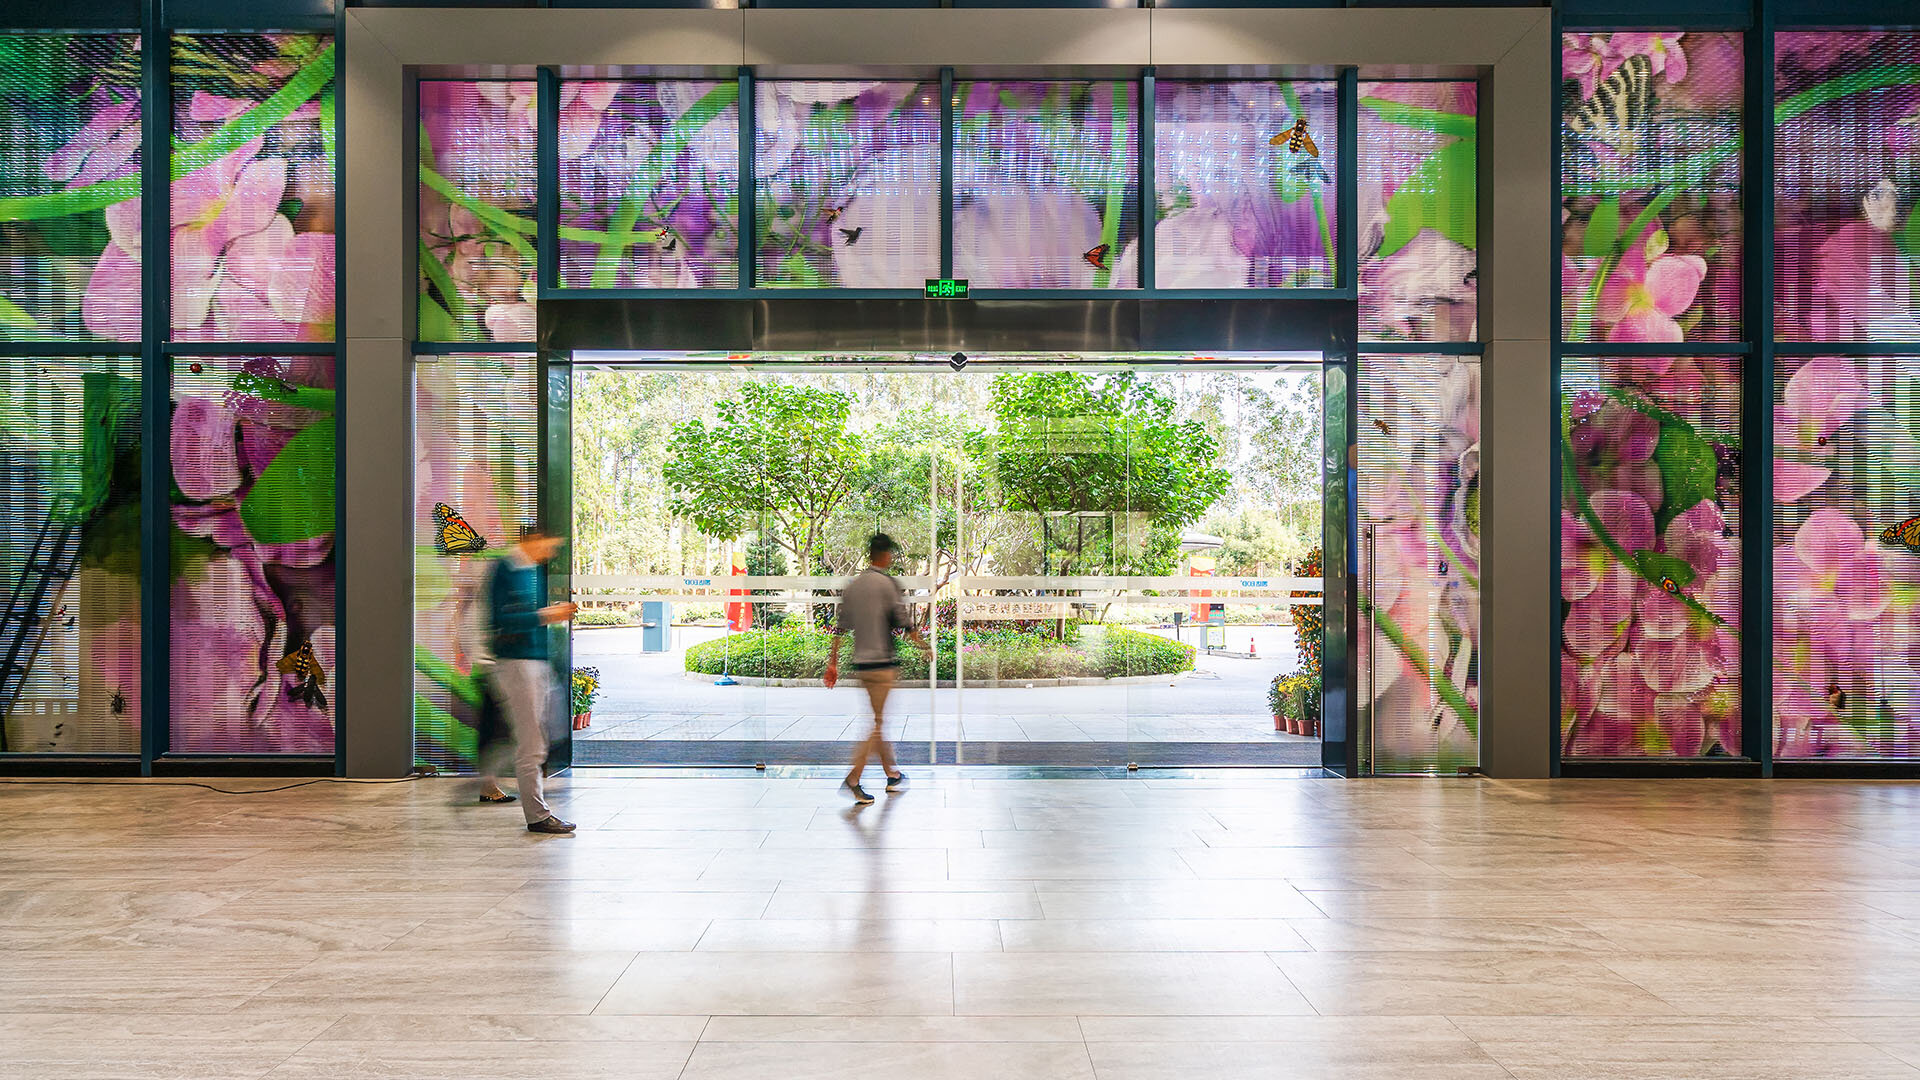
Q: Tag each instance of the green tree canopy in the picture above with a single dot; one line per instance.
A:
(1099, 452)
(778, 458)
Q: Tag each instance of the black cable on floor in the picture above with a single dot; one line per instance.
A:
(209, 787)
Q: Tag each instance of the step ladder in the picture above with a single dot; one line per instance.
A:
(37, 592)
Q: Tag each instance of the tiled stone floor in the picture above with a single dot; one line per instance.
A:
(980, 926)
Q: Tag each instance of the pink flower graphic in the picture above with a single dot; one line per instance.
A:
(1662, 51)
(1648, 289)
(1819, 399)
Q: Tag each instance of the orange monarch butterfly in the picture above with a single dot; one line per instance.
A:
(1906, 535)
(454, 536)
(303, 663)
(1097, 255)
(1296, 139)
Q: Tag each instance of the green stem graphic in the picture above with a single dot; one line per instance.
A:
(678, 136)
(1292, 98)
(1116, 190)
(1421, 118)
(1570, 479)
(1417, 656)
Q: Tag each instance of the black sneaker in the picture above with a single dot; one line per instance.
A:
(897, 782)
(860, 796)
(552, 826)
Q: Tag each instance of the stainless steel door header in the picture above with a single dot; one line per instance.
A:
(909, 325)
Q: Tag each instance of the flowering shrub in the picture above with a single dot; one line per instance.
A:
(992, 655)
(584, 689)
(1650, 558)
(1847, 247)
(1650, 208)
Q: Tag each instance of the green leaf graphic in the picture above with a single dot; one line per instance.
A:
(293, 499)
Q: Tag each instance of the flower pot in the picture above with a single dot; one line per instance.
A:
(1279, 722)
(582, 720)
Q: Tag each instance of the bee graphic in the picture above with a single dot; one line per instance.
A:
(1296, 139)
(1382, 425)
(303, 663)
(853, 235)
(1097, 255)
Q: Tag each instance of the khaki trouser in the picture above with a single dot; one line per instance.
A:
(526, 693)
(879, 683)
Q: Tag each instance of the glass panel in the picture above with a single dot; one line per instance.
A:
(70, 556)
(1235, 211)
(1046, 189)
(252, 236)
(848, 178)
(1419, 562)
(475, 453)
(1846, 581)
(477, 211)
(1847, 253)
(650, 184)
(673, 503)
(1650, 558)
(1650, 128)
(253, 447)
(1419, 192)
(70, 187)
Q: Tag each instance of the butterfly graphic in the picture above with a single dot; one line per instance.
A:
(853, 235)
(1619, 107)
(1296, 139)
(1097, 255)
(303, 663)
(1906, 535)
(454, 536)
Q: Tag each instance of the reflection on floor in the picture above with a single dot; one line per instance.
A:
(982, 924)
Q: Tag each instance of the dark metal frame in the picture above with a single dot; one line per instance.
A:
(156, 350)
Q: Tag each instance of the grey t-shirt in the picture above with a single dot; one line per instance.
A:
(872, 608)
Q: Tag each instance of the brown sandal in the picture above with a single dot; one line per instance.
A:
(503, 797)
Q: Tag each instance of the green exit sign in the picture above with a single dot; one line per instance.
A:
(946, 288)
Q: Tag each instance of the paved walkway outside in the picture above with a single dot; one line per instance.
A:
(1231, 926)
(647, 696)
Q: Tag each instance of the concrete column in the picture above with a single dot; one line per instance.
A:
(377, 552)
(1516, 130)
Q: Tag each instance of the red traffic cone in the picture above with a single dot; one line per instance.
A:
(1251, 651)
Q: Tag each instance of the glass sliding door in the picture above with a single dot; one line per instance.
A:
(1113, 564)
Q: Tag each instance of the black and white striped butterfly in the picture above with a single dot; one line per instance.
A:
(1618, 110)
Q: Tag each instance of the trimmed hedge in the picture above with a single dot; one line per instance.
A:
(1003, 655)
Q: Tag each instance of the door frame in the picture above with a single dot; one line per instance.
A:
(920, 334)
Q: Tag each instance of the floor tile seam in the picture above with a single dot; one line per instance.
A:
(1301, 994)
(692, 1047)
(632, 959)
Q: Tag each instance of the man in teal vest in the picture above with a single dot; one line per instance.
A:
(521, 673)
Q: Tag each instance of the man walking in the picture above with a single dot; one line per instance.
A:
(872, 609)
(521, 675)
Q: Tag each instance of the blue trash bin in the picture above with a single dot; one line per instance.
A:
(656, 626)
